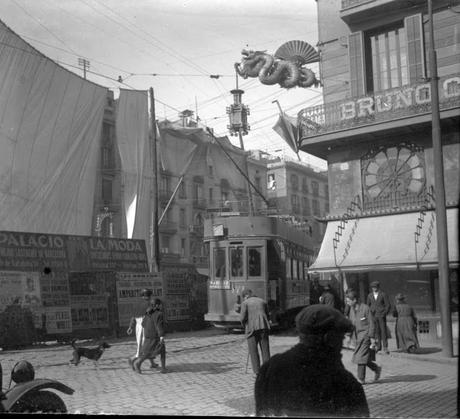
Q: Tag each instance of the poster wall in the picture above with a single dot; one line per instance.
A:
(22, 289)
(129, 288)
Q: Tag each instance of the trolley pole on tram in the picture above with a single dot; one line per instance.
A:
(440, 199)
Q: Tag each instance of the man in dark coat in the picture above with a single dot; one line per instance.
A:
(380, 306)
(153, 324)
(363, 337)
(254, 317)
(309, 379)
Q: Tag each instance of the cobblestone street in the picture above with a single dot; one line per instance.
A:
(207, 376)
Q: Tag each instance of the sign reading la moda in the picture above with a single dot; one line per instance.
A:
(402, 98)
(120, 245)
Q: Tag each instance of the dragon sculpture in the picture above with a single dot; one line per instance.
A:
(285, 68)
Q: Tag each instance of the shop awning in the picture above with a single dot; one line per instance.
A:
(386, 242)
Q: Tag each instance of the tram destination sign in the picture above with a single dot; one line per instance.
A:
(33, 251)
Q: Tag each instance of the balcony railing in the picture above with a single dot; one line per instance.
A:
(197, 229)
(168, 227)
(346, 4)
(199, 203)
(402, 102)
(201, 261)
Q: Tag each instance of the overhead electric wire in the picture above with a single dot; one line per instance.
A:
(168, 51)
(174, 54)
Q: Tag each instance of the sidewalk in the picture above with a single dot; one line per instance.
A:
(428, 351)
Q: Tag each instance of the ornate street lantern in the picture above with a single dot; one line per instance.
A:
(238, 114)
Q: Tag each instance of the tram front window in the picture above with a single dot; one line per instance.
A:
(219, 263)
(254, 261)
(236, 261)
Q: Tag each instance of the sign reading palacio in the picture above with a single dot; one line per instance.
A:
(34, 251)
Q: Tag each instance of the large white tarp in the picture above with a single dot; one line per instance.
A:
(50, 125)
(132, 132)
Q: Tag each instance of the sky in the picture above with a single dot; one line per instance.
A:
(174, 46)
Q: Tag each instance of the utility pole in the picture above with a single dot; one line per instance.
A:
(82, 62)
(440, 199)
(154, 238)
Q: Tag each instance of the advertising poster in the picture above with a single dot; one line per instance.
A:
(58, 320)
(177, 281)
(55, 290)
(129, 288)
(11, 286)
(89, 311)
(178, 307)
(22, 289)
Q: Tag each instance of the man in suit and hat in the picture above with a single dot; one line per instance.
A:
(254, 317)
(380, 306)
(310, 379)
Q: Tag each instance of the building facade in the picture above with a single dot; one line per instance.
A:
(298, 190)
(374, 130)
(108, 214)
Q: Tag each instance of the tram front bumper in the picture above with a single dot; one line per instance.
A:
(227, 321)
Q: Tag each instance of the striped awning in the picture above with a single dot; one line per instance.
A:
(390, 242)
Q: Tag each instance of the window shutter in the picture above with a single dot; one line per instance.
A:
(415, 47)
(356, 57)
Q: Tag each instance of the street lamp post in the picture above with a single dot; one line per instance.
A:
(238, 114)
(440, 199)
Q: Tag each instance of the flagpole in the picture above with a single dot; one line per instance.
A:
(154, 238)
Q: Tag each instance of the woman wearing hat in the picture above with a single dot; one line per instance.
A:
(406, 325)
(136, 324)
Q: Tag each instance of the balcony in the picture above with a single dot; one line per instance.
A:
(200, 261)
(359, 10)
(164, 195)
(199, 203)
(196, 229)
(381, 112)
(168, 227)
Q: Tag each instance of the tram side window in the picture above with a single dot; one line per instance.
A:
(294, 269)
(288, 268)
(254, 261)
(219, 263)
(236, 261)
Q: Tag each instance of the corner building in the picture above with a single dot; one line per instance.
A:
(374, 130)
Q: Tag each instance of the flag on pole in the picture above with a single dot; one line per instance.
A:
(286, 128)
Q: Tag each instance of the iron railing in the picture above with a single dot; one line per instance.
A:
(392, 104)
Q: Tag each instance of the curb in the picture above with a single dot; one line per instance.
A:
(416, 357)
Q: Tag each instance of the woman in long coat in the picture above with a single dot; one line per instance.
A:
(406, 325)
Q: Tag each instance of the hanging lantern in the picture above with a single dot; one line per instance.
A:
(238, 114)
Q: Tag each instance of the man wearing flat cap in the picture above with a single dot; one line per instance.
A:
(309, 379)
(254, 318)
(380, 306)
(363, 335)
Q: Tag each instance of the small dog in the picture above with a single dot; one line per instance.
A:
(90, 353)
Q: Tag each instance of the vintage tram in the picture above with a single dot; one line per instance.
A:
(263, 253)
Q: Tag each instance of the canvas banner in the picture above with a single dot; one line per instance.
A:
(51, 121)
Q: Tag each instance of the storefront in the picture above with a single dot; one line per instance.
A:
(386, 249)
